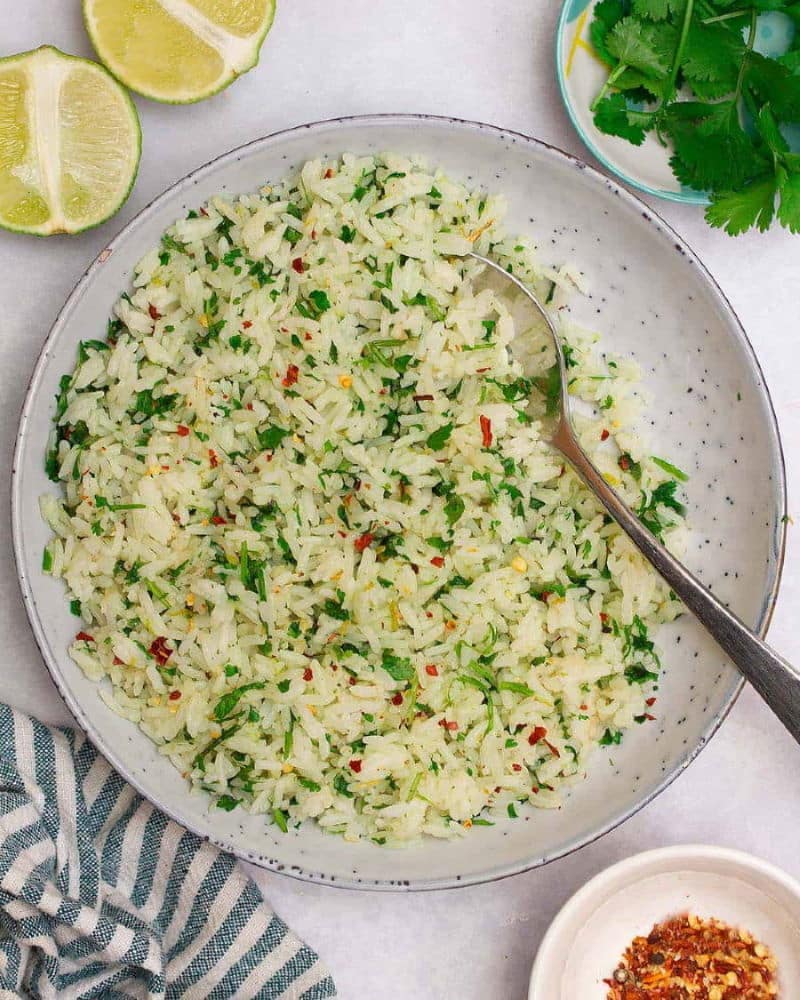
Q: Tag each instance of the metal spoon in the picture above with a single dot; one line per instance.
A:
(776, 680)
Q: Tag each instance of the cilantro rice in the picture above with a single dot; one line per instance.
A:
(321, 549)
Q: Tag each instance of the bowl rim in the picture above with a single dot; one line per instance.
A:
(595, 891)
(681, 197)
(82, 716)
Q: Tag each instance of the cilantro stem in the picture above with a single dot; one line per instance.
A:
(681, 48)
(726, 17)
(751, 40)
(615, 74)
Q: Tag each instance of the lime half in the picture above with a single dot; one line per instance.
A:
(178, 51)
(69, 143)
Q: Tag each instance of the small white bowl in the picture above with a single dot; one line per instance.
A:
(587, 939)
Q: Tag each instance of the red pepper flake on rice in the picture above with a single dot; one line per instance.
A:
(363, 541)
(160, 651)
(486, 431)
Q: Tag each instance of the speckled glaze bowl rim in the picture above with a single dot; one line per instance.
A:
(82, 716)
(683, 197)
(598, 889)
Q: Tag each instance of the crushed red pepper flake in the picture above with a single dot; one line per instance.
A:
(397, 699)
(688, 958)
(291, 376)
(364, 541)
(174, 695)
(538, 734)
(213, 459)
(355, 765)
(431, 670)
(216, 519)
(298, 265)
(605, 434)
(84, 637)
(308, 674)
(437, 561)
(247, 324)
(160, 651)
(182, 431)
(486, 431)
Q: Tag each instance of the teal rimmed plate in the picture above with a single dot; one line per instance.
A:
(581, 74)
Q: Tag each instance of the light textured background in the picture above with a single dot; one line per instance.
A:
(482, 59)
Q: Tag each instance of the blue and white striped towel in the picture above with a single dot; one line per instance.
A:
(103, 896)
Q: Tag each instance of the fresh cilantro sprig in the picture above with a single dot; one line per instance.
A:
(688, 71)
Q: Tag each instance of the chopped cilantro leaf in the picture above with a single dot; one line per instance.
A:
(439, 438)
(397, 667)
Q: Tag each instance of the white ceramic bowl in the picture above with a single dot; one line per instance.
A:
(653, 299)
(587, 939)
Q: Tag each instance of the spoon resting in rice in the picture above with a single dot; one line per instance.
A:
(776, 680)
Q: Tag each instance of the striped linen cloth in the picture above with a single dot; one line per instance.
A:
(103, 896)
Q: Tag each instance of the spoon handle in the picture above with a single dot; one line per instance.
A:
(776, 680)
